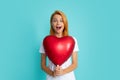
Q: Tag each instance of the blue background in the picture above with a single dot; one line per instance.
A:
(95, 24)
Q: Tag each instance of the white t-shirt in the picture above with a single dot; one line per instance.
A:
(68, 76)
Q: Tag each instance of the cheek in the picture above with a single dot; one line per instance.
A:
(53, 24)
(63, 28)
(63, 25)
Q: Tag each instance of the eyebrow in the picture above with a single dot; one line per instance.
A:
(60, 18)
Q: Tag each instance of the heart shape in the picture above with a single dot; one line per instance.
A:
(58, 50)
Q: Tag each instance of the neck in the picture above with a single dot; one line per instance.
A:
(59, 35)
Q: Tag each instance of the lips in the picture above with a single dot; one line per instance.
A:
(58, 27)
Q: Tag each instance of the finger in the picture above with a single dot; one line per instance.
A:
(57, 67)
(60, 67)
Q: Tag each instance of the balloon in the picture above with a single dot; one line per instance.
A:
(58, 50)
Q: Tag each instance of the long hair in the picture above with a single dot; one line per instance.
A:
(65, 22)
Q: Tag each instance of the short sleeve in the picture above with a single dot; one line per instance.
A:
(41, 50)
(76, 48)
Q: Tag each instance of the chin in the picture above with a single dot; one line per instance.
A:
(58, 32)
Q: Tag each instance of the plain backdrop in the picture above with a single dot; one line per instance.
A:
(94, 23)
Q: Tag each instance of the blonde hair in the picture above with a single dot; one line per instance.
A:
(65, 22)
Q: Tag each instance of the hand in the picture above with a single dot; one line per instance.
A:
(58, 71)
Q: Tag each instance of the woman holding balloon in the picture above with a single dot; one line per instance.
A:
(60, 48)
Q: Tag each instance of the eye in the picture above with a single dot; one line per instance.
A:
(54, 20)
(61, 20)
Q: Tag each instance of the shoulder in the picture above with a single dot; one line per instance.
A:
(74, 38)
(76, 48)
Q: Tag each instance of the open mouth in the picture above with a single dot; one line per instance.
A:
(58, 27)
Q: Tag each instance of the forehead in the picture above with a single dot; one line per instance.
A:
(57, 16)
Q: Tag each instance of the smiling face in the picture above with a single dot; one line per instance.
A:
(57, 24)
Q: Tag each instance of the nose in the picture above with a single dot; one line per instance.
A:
(58, 22)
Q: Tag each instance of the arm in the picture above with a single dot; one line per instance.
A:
(43, 65)
(73, 66)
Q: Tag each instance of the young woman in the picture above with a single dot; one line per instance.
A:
(59, 28)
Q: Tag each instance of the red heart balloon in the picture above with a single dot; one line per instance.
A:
(58, 50)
